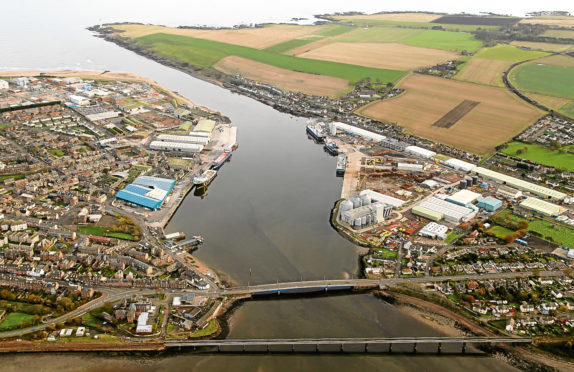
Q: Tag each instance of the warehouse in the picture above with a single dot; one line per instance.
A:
(145, 191)
(419, 151)
(359, 132)
(176, 146)
(434, 230)
(410, 167)
(427, 213)
(393, 144)
(541, 206)
(489, 203)
(509, 192)
(541, 191)
(460, 165)
(451, 212)
(205, 125)
(463, 197)
(183, 139)
(382, 198)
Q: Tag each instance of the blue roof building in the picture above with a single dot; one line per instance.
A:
(148, 192)
(489, 203)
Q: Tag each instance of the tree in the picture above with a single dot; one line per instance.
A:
(522, 225)
(509, 238)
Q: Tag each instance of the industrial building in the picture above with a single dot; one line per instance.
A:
(145, 191)
(183, 139)
(78, 100)
(489, 203)
(359, 131)
(541, 206)
(508, 192)
(460, 165)
(393, 144)
(205, 125)
(359, 211)
(409, 167)
(191, 148)
(382, 198)
(541, 191)
(434, 230)
(419, 151)
(3, 84)
(449, 211)
(463, 197)
(427, 213)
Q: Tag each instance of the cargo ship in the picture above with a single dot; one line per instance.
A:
(341, 164)
(205, 178)
(217, 163)
(331, 147)
(315, 131)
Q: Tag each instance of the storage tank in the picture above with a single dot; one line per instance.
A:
(365, 200)
(475, 180)
(357, 222)
(332, 129)
(356, 201)
(346, 205)
(468, 182)
(369, 219)
(364, 220)
(462, 184)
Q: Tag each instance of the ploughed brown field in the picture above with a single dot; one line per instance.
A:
(381, 55)
(293, 81)
(499, 116)
(484, 71)
(457, 113)
(259, 38)
(398, 17)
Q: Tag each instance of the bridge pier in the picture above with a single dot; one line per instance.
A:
(464, 347)
(316, 348)
(390, 348)
(342, 350)
(366, 348)
(292, 348)
(415, 348)
(439, 347)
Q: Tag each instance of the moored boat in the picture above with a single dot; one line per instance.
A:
(217, 163)
(341, 164)
(331, 146)
(315, 131)
(205, 178)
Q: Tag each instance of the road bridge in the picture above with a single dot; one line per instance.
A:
(337, 345)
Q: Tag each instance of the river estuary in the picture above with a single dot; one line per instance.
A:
(265, 217)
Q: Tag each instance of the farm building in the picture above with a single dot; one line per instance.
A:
(190, 148)
(541, 191)
(145, 191)
(183, 139)
(450, 211)
(382, 198)
(460, 165)
(427, 213)
(541, 206)
(463, 197)
(205, 125)
(359, 132)
(489, 203)
(434, 230)
(419, 151)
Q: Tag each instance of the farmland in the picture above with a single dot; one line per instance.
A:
(560, 21)
(397, 17)
(548, 47)
(545, 79)
(509, 53)
(499, 116)
(476, 20)
(541, 154)
(379, 35)
(446, 40)
(283, 78)
(387, 55)
(291, 44)
(560, 34)
(205, 53)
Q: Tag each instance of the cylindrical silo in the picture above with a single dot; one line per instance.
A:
(365, 199)
(462, 184)
(356, 201)
(369, 219)
(357, 222)
(475, 180)
(364, 220)
(346, 205)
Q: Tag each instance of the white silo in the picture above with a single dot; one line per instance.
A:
(365, 200)
(356, 201)
(332, 129)
(364, 220)
(369, 219)
(346, 205)
(357, 222)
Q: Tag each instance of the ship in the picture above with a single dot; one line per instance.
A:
(315, 131)
(217, 163)
(205, 178)
(331, 147)
(341, 164)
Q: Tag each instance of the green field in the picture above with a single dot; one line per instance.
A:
(420, 25)
(57, 152)
(556, 81)
(332, 29)
(205, 53)
(568, 109)
(500, 231)
(211, 328)
(12, 320)
(102, 231)
(509, 53)
(291, 44)
(560, 34)
(379, 35)
(560, 234)
(451, 237)
(541, 154)
(453, 41)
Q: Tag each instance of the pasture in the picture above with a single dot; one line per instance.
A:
(446, 40)
(508, 53)
(499, 116)
(541, 154)
(543, 78)
(386, 55)
(560, 34)
(282, 78)
(291, 44)
(548, 47)
(205, 53)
